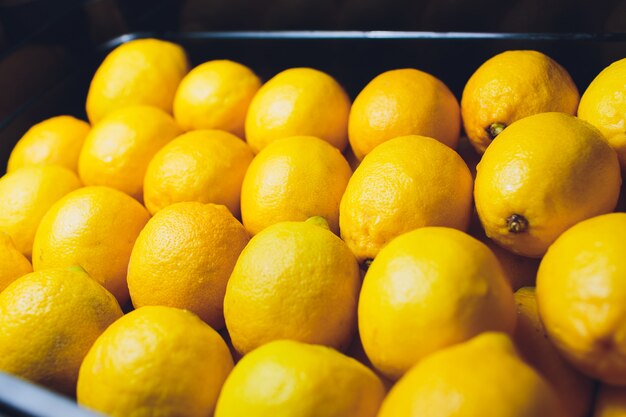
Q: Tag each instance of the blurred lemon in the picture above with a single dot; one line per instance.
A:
(610, 402)
(142, 71)
(55, 141)
(298, 102)
(12, 263)
(120, 146)
(216, 95)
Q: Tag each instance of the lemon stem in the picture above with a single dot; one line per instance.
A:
(318, 221)
(516, 223)
(495, 129)
(76, 268)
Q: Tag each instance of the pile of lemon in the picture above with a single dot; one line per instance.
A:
(282, 251)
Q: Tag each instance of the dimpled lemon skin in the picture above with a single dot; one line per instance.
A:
(48, 321)
(428, 289)
(403, 102)
(26, 195)
(610, 402)
(96, 228)
(482, 377)
(184, 257)
(207, 166)
(513, 85)
(603, 104)
(216, 95)
(12, 263)
(282, 184)
(405, 183)
(54, 141)
(294, 280)
(542, 175)
(575, 389)
(581, 293)
(119, 148)
(298, 101)
(292, 379)
(155, 362)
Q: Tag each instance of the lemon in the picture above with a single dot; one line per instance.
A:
(510, 86)
(207, 166)
(26, 195)
(142, 71)
(120, 146)
(603, 104)
(96, 228)
(482, 377)
(184, 257)
(48, 321)
(293, 179)
(404, 183)
(294, 280)
(581, 293)
(54, 141)
(403, 102)
(429, 289)
(216, 95)
(542, 175)
(298, 102)
(610, 402)
(289, 378)
(155, 361)
(12, 263)
(574, 389)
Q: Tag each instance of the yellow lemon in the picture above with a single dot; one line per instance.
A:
(206, 166)
(54, 141)
(543, 174)
(294, 280)
(581, 294)
(184, 257)
(603, 104)
(96, 228)
(429, 289)
(12, 263)
(155, 361)
(142, 71)
(405, 183)
(48, 321)
(216, 95)
(510, 86)
(574, 389)
(120, 146)
(293, 179)
(403, 102)
(483, 377)
(610, 402)
(292, 379)
(298, 101)
(26, 195)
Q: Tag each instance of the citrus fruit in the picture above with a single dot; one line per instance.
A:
(403, 102)
(48, 321)
(483, 377)
(404, 183)
(293, 179)
(510, 86)
(183, 258)
(54, 141)
(574, 389)
(610, 402)
(96, 228)
(26, 195)
(12, 263)
(294, 280)
(298, 101)
(429, 289)
(543, 174)
(289, 378)
(581, 293)
(155, 361)
(603, 104)
(206, 166)
(142, 71)
(216, 95)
